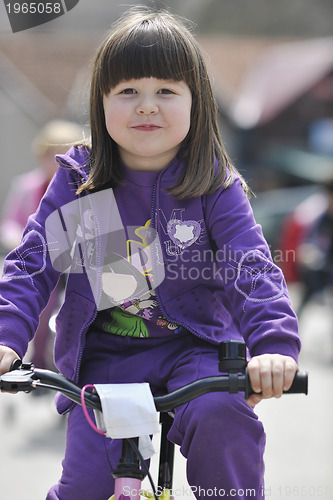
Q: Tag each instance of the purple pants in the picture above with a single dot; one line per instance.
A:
(218, 433)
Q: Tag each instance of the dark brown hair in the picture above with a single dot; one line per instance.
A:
(145, 44)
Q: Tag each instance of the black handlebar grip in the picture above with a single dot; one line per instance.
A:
(15, 364)
(299, 385)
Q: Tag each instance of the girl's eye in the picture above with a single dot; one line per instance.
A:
(165, 91)
(128, 91)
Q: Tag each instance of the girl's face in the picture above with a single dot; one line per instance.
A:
(148, 118)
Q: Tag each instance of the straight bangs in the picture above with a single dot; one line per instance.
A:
(150, 49)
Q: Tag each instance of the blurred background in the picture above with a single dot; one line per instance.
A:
(272, 69)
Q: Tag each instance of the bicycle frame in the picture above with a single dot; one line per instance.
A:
(129, 475)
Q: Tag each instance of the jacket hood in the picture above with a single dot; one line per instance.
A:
(77, 158)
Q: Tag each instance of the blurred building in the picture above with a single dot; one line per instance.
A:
(284, 113)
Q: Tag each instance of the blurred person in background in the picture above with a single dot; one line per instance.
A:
(308, 232)
(25, 193)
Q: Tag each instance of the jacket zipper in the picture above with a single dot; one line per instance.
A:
(92, 319)
(99, 271)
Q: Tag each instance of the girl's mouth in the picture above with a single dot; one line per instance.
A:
(147, 128)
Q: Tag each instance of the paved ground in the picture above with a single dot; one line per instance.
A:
(299, 430)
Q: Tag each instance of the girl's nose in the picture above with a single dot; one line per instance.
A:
(147, 106)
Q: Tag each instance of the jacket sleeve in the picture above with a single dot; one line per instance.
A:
(254, 286)
(28, 275)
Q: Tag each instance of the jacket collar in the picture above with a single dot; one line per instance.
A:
(78, 159)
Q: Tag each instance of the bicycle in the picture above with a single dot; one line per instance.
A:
(132, 468)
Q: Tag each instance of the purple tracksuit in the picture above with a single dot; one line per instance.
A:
(154, 285)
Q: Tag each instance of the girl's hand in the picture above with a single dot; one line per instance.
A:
(270, 374)
(7, 356)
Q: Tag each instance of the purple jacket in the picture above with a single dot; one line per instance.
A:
(214, 271)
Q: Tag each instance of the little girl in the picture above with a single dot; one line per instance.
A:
(164, 261)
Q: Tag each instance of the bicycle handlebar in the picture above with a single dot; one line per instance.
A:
(26, 378)
(232, 383)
